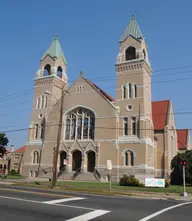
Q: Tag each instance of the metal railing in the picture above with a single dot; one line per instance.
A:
(77, 172)
(62, 171)
(97, 174)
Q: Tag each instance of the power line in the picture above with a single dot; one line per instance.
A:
(112, 77)
(147, 114)
(107, 128)
(15, 112)
(161, 70)
(18, 94)
(154, 82)
(10, 105)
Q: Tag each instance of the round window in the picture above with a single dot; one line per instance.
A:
(128, 107)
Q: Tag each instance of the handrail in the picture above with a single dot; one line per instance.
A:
(77, 172)
(62, 171)
(97, 174)
(44, 170)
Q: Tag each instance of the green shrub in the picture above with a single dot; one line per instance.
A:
(167, 183)
(13, 172)
(129, 181)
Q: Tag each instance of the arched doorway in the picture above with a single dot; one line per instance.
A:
(77, 156)
(90, 161)
(63, 156)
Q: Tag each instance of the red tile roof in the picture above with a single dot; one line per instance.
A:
(182, 138)
(107, 96)
(21, 150)
(159, 114)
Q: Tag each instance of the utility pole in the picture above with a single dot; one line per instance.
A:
(54, 179)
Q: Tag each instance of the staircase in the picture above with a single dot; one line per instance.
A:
(80, 176)
(77, 175)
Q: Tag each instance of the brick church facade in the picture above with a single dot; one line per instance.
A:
(139, 136)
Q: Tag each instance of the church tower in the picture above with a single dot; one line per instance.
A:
(133, 96)
(50, 78)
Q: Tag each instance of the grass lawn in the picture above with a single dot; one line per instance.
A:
(97, 186)
(12, 177)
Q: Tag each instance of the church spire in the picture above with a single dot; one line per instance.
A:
(132, 30)
(55, 51)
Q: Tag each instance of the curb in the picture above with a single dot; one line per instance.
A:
(104, 193)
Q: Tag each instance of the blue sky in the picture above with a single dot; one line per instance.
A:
(89, 32)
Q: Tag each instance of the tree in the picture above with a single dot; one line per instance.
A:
(3, 143)
(177, 174)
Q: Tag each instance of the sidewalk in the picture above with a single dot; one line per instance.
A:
(29, 183)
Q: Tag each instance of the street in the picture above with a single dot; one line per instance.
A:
(30, 204)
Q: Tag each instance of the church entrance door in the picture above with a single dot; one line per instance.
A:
(77, 157)
(90, 161)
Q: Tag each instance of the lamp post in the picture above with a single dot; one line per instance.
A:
(183, 163)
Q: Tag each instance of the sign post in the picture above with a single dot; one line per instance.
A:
(65, 164)
(109, 167)
(183, 164)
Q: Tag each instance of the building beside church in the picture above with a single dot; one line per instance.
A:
(139, 136)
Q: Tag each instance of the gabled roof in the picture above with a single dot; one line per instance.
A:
(182, 136)
(21, 150)
(159, 113)
(107, 96)
(132, 30)
(55, 50)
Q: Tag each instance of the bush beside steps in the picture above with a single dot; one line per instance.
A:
(130, 181)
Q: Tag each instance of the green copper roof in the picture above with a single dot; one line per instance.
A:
(55, 50)
(133, 30)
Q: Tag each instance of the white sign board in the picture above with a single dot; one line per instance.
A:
(109, 165)
(153, 182)
(65, 162)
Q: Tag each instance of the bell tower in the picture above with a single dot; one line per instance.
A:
(133, 86)
(48, 83)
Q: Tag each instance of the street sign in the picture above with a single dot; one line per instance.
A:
(65, 162)
(109, 165)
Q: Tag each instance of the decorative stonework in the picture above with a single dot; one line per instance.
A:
(54, 70)
(76, 146)
(63, 147)
(129, 67)
(90, 147)
(43, 81)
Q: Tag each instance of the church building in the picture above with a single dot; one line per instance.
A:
(138, 136)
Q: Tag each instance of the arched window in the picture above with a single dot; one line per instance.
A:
(35, 157)
(45, 101)
(36, 131)
(38, 102)
(124, 92)
(130, 53)
(130, 90)
(135, 90)
(80, 124)
(59, 72)
(144, 53)
(43, 124)
(42, 101)
(1, 166)
(47, 70)
(129, 158)
(5, 167)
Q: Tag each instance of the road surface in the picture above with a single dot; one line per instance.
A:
(37, 205)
